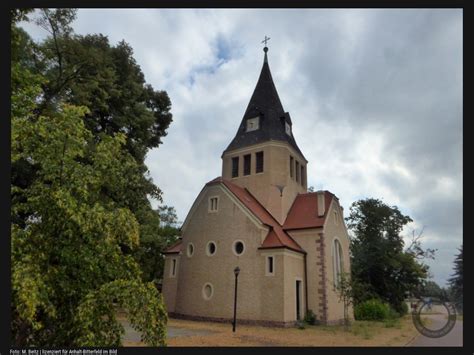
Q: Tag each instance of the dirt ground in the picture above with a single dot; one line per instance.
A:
(360, 334)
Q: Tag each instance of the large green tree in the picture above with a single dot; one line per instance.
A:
(381, 267)
(78, 197)
(89, 71)
(68, 264)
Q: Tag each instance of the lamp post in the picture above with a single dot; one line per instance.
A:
(236, 273)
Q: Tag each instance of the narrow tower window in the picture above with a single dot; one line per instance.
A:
(259, 158)
(297, 172)
(247, 161)
(235, 167)
(291, 166)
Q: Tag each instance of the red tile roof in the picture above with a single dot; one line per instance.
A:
(175, 248)
(277, 237)
(304, 211)
(303, 214)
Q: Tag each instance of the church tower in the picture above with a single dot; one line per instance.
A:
(263, 157)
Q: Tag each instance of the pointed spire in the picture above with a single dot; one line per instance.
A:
(266, 105)
(265, 96)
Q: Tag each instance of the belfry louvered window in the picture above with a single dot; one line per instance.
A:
(235, 167)
(247, 164)
(259, 159)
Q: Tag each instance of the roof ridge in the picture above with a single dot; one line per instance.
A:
(278, 224)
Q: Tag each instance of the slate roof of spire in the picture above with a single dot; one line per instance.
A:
(266, 104)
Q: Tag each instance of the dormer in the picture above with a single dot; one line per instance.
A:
(253, 124)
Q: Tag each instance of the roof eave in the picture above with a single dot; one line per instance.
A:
(283, 247)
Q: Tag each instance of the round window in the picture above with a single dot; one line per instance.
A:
(190, 250)
(211, 248)
(207, 291)
(239, 247)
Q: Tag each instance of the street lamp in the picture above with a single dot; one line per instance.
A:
(236, 273)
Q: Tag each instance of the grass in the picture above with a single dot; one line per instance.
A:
(363, 329)
(360, 333)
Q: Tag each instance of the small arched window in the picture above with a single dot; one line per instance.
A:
(238, 247)
(190, 250)
(207, 291)
(338, 262)
(211, 248)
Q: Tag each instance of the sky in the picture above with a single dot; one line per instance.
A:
(375, 97)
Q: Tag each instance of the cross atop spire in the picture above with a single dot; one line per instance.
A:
(266, 40)
(265, 49)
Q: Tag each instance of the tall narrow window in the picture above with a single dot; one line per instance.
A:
(291, 166)
(213, 204)
(337, 262)
(297, 169)
(235, 167)
(270, 265)
(173, 268)
(302, 175)
(247, 161)
(259, 158)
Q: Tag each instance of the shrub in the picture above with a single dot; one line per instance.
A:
(310, 317)
(373, 309)
(404, 309)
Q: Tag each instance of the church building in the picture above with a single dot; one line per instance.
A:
(290, 245)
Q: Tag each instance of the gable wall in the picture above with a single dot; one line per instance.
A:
(332, 231)
(224, 227)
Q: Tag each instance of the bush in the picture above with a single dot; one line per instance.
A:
(310, 317)
(404, 309)
(373, 309)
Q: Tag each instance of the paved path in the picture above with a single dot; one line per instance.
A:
(453, 338)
